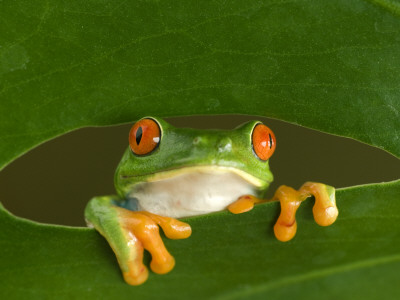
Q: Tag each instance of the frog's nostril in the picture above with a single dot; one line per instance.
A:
(197, 140)
(225, 145)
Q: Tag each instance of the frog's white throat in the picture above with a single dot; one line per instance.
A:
(194, 192)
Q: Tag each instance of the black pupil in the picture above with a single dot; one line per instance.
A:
(139, 135)
(270, 140)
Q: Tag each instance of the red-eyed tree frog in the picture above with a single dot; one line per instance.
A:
(168, 173)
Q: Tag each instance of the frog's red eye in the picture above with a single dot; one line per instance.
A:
(264, 142)
(144, 136)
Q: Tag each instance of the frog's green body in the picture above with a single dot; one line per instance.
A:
(187, 172)
(200, 158)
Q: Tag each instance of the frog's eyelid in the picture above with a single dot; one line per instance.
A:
(159, 127)
(157, 139)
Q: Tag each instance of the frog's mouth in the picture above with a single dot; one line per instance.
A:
(170, 173)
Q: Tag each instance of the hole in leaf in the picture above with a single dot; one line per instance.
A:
(53, 182)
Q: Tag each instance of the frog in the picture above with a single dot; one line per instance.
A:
(168, 173)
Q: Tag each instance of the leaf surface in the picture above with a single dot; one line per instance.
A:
(331, 65)
(227, 257)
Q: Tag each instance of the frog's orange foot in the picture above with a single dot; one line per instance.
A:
(325, 210)
(173, 228)
(136, 279)
(243, 204)
(285, 232)
(141, 232)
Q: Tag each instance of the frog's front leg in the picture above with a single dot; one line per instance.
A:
(130, 232)
(324, 210)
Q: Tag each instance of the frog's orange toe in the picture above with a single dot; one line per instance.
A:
(136, 279)
(173, 228)
(164, 266)
(325, 217)
(285, 232)
(177, 230)
(243, 204)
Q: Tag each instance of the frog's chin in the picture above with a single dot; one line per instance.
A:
(194, 191)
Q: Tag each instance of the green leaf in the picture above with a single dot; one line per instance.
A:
(328, 65)
(227, 257)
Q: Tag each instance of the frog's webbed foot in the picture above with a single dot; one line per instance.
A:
(130, 232)
(324, 210)
(142, 227)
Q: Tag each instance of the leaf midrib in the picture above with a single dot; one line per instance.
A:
(301, 277)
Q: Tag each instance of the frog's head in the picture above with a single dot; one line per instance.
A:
(159, 151)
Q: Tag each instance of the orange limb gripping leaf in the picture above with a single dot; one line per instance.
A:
(141, 232)
(324, 210)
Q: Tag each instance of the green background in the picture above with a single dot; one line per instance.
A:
(333, 66)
